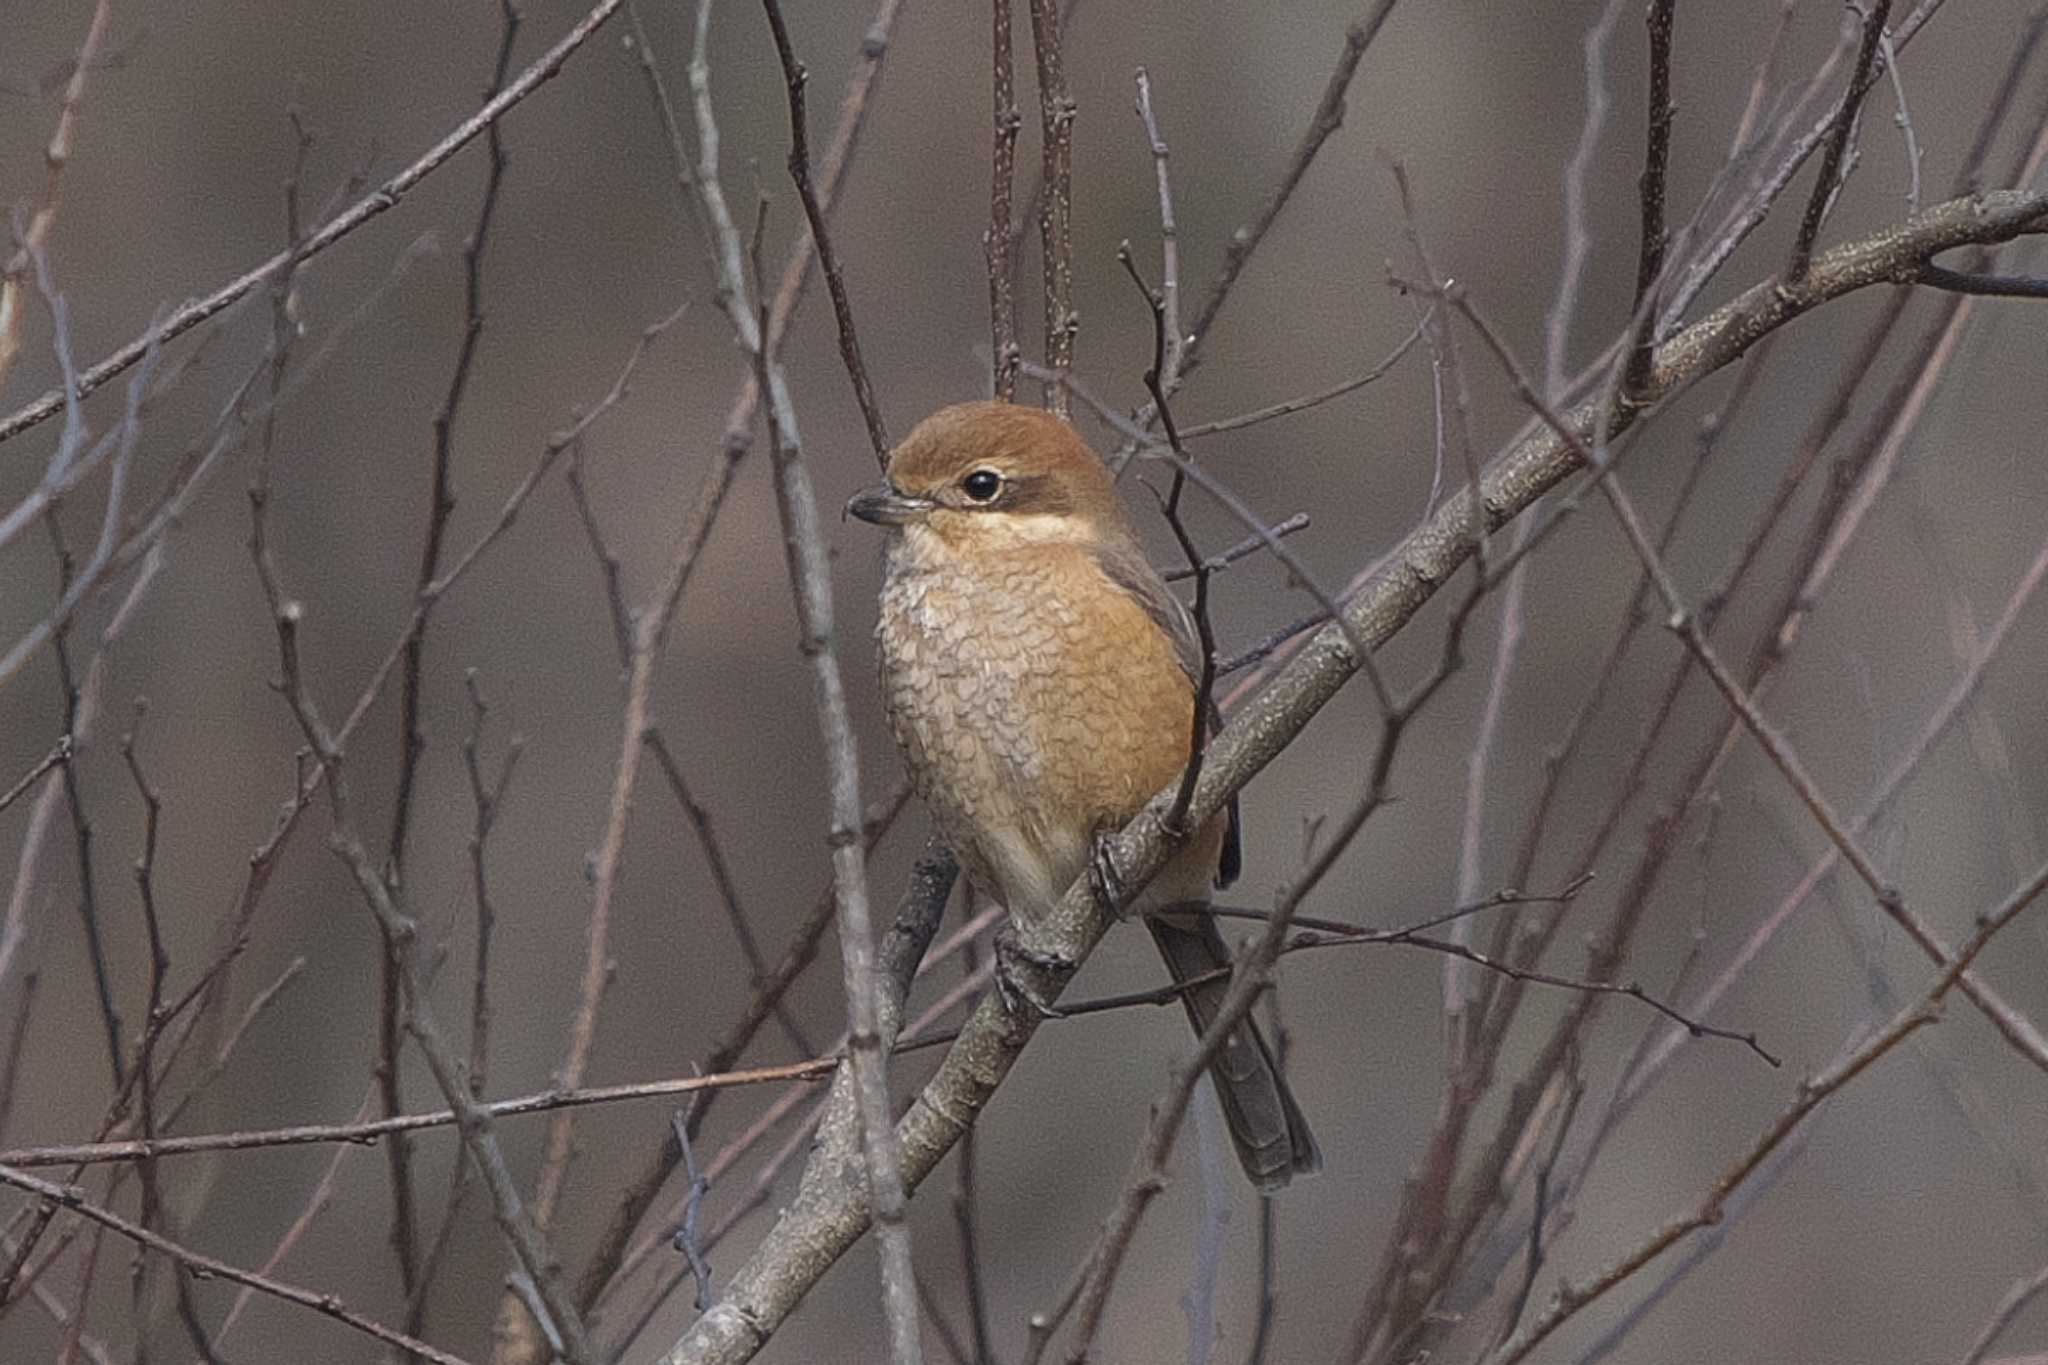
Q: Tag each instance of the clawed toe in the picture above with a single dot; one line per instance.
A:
(1103, 877)
(1020, 996)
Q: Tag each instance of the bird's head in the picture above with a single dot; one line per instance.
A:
(991, 474)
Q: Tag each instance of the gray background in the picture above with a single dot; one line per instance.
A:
(1891, 1238)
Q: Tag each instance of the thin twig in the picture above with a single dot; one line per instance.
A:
(612, 1259)
(1294, 405)
(317, 1202)
(1327, 119)
(1904, 119)
(1977, 282)
(1843, 124)
(823, 1225)
(73, 1198)
(17, 1044)
(966, 1224)
(810, 576)
(1056, 212)
(996, 245)
(1578, 238)
(1656, 171)
(1244, 549)
(1771, 186)
(794, 78)
(1169, 234)
(722, 878)
(1155, 376)
(1322, 933)
(60, 752)
(519, 1227)
(82, 825)
(1685, 624)
(685, 1239)
(14, 289)
(2010, 1307)
(385, 197)
(412, 741)
(154, 1215)
(1571, 1298)
(372, 1130)
(1444, 353)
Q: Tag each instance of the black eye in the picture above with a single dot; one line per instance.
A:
(982, 484)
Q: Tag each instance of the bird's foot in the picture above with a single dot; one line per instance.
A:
(1020, 994)
(1103, 877)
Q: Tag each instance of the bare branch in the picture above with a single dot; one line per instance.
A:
(1456, 414)
(1327, 119)
(73, 1198)
(1169, 236)
(820, 1228)
(1578, 238)
(1244, 549)
(1294, 405)
(1163, 349)
(1685, 624)
(375, 1129)
(59, 753)
(1656, 171)
(386, 196)
(1056, 212)
(412, 742)
(1976, 282)
(1842, 125)
(996, 246)
(2010, 1307)
(1571, 1298)
(14, 287)
(794, 78)
(868, 1024)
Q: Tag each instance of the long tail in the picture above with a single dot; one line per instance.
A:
(1266, 1125)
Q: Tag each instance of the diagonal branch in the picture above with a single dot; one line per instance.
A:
(794, 78)
(1327, 119)
(1570, 1299)
(815, 1231)
(14, 281)
(73, 1198)
(385, 197)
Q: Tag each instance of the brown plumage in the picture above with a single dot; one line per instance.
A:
(1040, 681)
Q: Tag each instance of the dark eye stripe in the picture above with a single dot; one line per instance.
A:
(1027, 493)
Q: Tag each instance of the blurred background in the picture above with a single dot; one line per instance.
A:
(1916, 1198)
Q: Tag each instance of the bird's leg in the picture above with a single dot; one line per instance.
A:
(1103, 877)
(1019, 993)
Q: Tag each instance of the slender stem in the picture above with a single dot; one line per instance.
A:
(996, 246)
(1842, 126)
(1056, 211)
(73, 1198)
(378, 201)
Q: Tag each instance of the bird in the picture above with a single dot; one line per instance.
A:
(1040, 679)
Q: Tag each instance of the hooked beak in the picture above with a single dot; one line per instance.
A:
(884, 506)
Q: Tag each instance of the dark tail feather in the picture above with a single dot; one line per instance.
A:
(1266, 1125)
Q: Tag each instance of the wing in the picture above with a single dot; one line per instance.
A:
(1126, 567)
